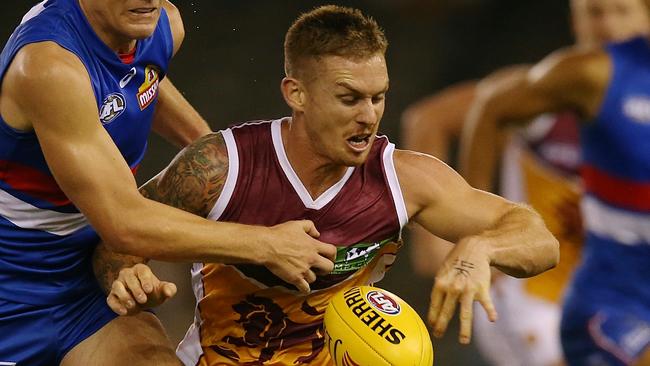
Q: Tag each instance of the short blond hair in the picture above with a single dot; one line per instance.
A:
(331, 30)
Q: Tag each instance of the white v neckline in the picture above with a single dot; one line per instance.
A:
(325, 197)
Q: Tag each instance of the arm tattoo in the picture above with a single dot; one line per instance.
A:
(463, 267)
(192, 182)
(107, 265)
(194, 179)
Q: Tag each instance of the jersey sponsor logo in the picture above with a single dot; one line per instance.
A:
(637, 108)
(125, 80)
(354, 257)
(383, 302)
(148, 91)
(5, 363)
(114, 104)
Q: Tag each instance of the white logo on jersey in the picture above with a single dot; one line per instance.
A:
(113, 106)
(637, 108)
(355, 253)
(125, 80)
(7, 363)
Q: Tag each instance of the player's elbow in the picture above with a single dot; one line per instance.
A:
(125, 232)
(120, 237)
(546, 249)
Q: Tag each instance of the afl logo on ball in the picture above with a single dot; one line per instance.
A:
(113, 106)
(383, 302)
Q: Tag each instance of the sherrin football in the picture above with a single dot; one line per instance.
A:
(369, 326)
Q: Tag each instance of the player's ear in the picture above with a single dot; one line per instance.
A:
(293, 93)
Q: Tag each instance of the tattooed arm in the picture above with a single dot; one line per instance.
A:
(192, 182)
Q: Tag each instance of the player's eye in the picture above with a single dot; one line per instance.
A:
(349, 99)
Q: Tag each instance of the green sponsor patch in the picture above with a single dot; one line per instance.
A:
(350, 259)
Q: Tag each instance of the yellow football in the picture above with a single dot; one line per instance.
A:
(369, 326)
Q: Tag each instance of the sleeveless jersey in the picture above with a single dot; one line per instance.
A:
(45, 242)
(616, 174)
(550, 168)
(245, 314)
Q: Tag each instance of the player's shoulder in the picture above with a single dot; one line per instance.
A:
(44, 67)
(47, 62)
(574, 64)
(175, 24)
(417, 169)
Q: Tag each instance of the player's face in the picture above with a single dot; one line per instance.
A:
(600, 21)
(122, 20)
(344, 104)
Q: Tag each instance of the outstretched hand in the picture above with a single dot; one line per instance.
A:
(296, 256)
(463, 278)
(137, 289)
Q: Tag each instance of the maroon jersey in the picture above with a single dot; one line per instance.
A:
(247, 315)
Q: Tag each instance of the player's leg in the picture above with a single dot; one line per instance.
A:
(133, 340)
(91, 334)
(609, 335)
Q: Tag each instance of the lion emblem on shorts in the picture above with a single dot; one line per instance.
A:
(267, 327)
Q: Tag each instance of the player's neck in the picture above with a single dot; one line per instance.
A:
(316, 172)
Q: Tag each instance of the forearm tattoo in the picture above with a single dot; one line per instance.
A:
(463, 267)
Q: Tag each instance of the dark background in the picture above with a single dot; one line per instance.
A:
(230, 67)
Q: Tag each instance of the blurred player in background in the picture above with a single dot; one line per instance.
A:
(606, 312)
(326, 163)
(540, 165)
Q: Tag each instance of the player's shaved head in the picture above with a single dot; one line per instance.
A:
(331, 30)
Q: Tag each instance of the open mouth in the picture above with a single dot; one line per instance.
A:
(359, 142)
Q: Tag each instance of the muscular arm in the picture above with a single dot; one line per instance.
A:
(513, 237)
(57, 102)
(192, 182)
(570, 79)
(174, 118)
(431, 126)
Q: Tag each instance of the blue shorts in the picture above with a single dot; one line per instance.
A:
(42, 335)
(604, 334)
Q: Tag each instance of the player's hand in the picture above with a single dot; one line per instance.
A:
(296, 256)
(137, 288)
(463, 278)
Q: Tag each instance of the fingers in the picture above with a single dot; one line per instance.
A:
(133, 285)
(120, 300)
(309, 228)
(327, 250)
(168, 289)
(323, 266)
(466, 316)
(446, 313)
(437, 296)
(486, 301)
(302, 286)
(115, 305)
(147, 279)
(310, 276)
